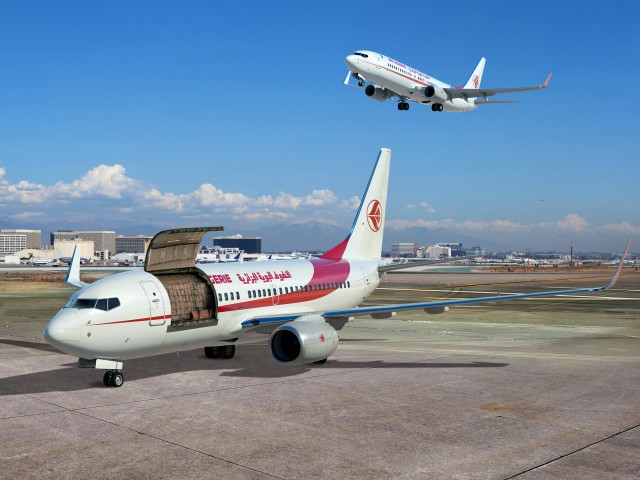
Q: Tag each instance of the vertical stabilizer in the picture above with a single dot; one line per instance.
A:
(476, 76)
(365, 239)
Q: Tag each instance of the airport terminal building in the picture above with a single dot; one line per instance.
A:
(104, 241)
(135, 244)
(248, 244)
(14, 240)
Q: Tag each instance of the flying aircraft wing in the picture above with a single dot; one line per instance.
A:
(467, 93)
(267, 324)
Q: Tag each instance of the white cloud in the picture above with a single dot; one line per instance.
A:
(102, 181)
(571, 222)
(624, 227)
(427, 206)
(27, 215)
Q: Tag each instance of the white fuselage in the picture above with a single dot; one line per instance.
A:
(404, 81)
(140, 325)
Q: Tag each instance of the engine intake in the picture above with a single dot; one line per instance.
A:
(305, 340)
(435, 93)
(377, 93)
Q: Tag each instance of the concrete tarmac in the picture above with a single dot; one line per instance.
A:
(527, 390)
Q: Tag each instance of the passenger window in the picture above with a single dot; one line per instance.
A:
(259, 294)
(114, 303)
(348, 284)
(101, 304)
(231, 296)
(226, 297)
(237, 295)
(264, 292)
(280, 288)
(219, 297)
(249, 293)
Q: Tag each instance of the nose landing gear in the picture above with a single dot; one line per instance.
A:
(403, 106)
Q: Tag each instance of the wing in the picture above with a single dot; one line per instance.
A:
(338, 318)
(467, 93)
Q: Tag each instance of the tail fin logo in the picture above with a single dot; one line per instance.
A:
(476, 81)
(374, 215)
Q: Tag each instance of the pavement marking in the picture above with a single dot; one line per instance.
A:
(571, 453)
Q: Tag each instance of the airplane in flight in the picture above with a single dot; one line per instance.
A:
(299, 305)
(389, 78)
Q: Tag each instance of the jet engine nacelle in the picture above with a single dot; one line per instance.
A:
(377, 93)
(435, 93)
(305, 340)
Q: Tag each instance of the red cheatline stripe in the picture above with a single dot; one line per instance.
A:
(145, 319)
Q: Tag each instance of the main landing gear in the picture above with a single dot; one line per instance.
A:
(436, 107)
(403, 106)
(225, 352)
(113, 378)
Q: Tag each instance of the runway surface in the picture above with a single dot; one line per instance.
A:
(528, 390)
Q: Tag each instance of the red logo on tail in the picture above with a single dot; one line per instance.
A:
(374, 215)
(476, 81)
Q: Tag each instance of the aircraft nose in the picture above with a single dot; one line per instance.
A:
(350, 60)
(62, 329)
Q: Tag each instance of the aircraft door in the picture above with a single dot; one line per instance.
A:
(367, 283)
(275, 299)
(156, 304)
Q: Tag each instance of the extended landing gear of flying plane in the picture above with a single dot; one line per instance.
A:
(113, 378)
(436, 107)
(226, 352)
(403, 106)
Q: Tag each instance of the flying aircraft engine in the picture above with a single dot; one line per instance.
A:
(435, 93)
(377, 93)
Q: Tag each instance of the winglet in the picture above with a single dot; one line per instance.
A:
(619, 269)
(73, 274)
(546, 82)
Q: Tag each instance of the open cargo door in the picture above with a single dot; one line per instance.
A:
(171, 258)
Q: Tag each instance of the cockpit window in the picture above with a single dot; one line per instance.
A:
(104, 304)
(363, 55)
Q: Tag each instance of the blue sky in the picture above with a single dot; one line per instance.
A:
(193, 113)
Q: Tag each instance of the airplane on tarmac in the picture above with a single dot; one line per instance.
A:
(299, 304)
(389, 78)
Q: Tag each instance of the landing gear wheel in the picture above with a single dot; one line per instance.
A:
(212, 352)
(228, 351)
(117, 379)
(361, 83)
(403, 106)
(440, 107)
(321, 362)
(113, 378)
